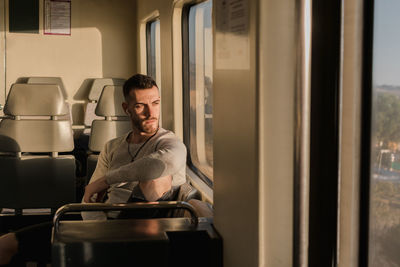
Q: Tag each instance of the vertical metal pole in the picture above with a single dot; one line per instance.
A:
(302, 138)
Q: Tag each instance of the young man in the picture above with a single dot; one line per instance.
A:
(146, 164)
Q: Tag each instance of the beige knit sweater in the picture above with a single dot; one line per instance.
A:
(164, 154)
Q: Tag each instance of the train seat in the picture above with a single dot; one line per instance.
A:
(114, 123)
(204, 209)
(52, 80)
(135, 242)
(82, 139)
(33, 173)
(49, 80)
(94, 96)
(185, 193)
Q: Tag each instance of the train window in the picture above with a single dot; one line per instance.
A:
(153, 50)
(384, 207)
(198, 88)
(153, 53)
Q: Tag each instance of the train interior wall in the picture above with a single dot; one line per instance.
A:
(253, 148)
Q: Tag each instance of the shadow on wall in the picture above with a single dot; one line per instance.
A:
(116, 22)
(78, 109)
(8, 144)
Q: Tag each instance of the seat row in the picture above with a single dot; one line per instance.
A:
(36, 140)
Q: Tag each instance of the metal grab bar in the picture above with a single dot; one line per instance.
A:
(302, 135)
(75, 207)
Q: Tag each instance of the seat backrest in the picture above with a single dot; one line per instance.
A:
(110, 102)
(34, 175)
(99, 84)
(52, 80)
(115, 122)
(94, 96)
(203, 209)
(33, 123)
(35, 100)
(186, 192)
(49, 80)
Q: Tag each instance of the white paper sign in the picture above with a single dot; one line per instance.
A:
(57, 17)
(232, 35)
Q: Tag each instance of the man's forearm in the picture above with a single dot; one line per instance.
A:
(163, 162)
(155, 189)
(97, 187)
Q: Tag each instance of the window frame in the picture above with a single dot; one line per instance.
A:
(323, 208)
(186, 93)
(366, 131)
(146, 65)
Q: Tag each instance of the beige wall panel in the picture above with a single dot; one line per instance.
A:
(102, 44)
(236, 145)
(277, 88)
(236, 166)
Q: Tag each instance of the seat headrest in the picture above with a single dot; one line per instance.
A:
(98, 85)
(110, 102)
(35, 100)
(49, 80)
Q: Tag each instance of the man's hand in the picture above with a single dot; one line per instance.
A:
(98, 187)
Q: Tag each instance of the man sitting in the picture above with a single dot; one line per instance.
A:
(146, 164)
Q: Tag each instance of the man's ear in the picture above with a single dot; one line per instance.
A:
(125, 107)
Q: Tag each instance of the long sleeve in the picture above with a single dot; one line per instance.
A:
(101, 169)
(103, 165)
(169, 157)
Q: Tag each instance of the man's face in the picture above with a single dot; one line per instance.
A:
(144, 109)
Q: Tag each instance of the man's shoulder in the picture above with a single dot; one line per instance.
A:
(166, 134)
(166, 138)
(115, 142)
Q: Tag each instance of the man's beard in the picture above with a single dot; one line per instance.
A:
(146, 128)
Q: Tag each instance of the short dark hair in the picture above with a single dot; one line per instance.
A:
(138, 82)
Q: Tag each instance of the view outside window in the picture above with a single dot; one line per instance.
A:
(154, 53)
(201, 87)
(384, 233)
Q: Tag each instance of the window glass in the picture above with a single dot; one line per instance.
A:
(200, 86)
(384, 223)
(153, 51)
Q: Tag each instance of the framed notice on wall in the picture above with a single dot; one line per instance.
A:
(232, 35)
(57, 17)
